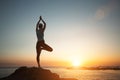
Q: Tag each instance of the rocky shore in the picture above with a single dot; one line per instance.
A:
(34, 73)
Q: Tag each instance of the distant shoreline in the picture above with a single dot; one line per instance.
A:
(80, 68)
(97, 68)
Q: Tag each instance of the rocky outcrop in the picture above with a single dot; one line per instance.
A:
(34, 73)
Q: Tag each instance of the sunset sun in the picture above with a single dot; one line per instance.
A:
(76, 63)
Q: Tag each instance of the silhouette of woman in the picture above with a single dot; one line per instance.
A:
(41, 45)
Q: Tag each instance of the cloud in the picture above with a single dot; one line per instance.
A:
(105, 10)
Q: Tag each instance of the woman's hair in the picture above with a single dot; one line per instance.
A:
(40, 25)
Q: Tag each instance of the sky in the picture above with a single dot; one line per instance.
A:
(87, 31)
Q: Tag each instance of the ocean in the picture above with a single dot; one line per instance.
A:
(75, 73)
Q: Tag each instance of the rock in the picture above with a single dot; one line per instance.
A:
(33, 73)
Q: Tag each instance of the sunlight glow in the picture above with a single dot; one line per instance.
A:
(76, 63)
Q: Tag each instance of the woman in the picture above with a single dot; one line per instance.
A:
(41, 45)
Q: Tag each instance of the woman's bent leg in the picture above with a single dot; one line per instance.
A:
(47, 47)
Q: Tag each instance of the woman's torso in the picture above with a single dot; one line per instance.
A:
(40, 35)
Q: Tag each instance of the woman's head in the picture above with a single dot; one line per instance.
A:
(40, 26)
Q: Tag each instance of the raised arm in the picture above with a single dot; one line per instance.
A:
(43, 23)
(37, 24)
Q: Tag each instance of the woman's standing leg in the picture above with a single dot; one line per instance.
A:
(38, 50)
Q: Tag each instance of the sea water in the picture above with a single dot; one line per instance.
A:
(75, 73)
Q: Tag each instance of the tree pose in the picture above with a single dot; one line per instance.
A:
(41, 45)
